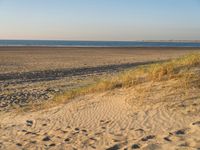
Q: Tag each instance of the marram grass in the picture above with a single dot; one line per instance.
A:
(178, 69)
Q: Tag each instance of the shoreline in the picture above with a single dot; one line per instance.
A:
(39, 48)
(134, 47)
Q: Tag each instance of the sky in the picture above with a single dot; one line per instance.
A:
(105, 20)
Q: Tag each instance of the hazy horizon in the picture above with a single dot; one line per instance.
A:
(100, 20)
(195, 40)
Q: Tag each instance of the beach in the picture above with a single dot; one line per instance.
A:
(99, 75)
(26, 59)
(35, 74)
(151, 115)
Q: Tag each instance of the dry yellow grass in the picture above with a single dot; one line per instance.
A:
(179, 69)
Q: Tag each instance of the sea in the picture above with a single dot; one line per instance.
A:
(59, 43)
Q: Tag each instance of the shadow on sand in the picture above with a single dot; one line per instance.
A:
(48, 75)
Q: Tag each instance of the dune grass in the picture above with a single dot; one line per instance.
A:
(179, 69)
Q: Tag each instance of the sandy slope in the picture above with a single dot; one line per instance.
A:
(36, 74)
(133, 118)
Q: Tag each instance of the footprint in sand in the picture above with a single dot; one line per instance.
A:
(149, 137)
(114, 147)
(53, 144)
(180, 132)
(46, 138)
(196, 123)
(167, 139)
(135, 146)
(29, 123)
(19, 144)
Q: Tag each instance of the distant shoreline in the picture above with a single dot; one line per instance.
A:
(184, 41)
(121, 44)
(197, 40)
(96, 47)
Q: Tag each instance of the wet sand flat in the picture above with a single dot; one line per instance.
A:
(26, 59)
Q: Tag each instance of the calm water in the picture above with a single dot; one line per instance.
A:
(96, 43)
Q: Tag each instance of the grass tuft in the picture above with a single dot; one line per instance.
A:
(178, 69)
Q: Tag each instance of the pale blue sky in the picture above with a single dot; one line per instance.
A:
(100, 19)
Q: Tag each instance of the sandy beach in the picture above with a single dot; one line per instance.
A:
(150, 116)
(35, 74)
(99, 75)
(107, 121)
(27, 59)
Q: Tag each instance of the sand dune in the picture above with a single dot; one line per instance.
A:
(153, 107)
(119, 119)
(36, 74)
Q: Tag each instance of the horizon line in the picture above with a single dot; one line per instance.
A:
(197, 40)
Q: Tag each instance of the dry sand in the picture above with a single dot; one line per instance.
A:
(120, 119)
(150, 116)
